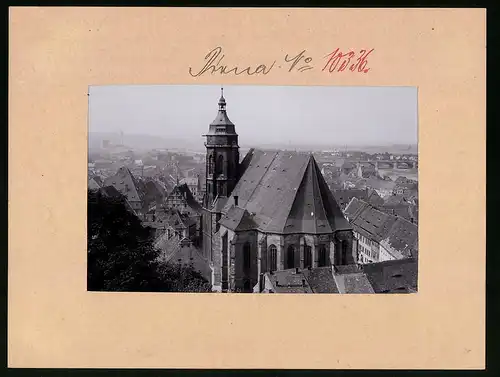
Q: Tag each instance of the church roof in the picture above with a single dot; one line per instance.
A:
(284, 192)
(238, 219)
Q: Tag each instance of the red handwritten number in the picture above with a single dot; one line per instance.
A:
(332, 57)
(337, 57)
(345, 63)
(362, 62)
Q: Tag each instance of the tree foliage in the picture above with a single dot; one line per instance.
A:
(121, 255)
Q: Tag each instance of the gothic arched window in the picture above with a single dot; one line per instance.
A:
(246, 256)
(273, 255)
(322, 260)
(290, 257)
(219, 165)
(307, 256)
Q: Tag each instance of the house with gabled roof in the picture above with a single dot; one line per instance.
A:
(126, 184)
(181, 198)
(381, 236)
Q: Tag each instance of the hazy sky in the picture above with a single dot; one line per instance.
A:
(262, 114)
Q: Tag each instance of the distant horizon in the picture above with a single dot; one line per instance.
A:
(325, 146)
(284, 115)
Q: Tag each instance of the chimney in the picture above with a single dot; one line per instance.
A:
(236, 200)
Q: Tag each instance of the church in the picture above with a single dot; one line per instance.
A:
(269, 212)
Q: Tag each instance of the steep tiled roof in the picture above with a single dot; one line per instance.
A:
(354, 207)
(288, 281)
(405, 210)
(371, 222)
(374, 198)
(394, 200)
(93, 184)
(403, 237)
(110, 192)
(238, 219)
(126, 184)
(321, 280)
(344, 196)
(153, 192)
(284, 192)
(353, 283)
(396, 276)
(393, 231)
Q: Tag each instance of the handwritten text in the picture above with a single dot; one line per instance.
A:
(336, 61)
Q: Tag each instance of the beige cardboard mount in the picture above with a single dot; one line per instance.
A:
(56, 53)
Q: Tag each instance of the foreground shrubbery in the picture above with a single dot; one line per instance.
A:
(121, 256)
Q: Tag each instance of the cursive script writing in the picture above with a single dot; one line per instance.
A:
(216, 56)
(336, 61)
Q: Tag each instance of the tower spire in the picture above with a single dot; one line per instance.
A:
(222, 100)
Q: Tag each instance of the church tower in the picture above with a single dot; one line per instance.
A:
(222, 160)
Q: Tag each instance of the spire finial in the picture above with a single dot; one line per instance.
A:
(222, 100)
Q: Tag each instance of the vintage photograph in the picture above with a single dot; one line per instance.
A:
(252, 189)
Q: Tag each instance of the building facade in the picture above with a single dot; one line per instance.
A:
(271, 212)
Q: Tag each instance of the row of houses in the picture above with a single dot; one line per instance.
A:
(174, 213)
(395, 276)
